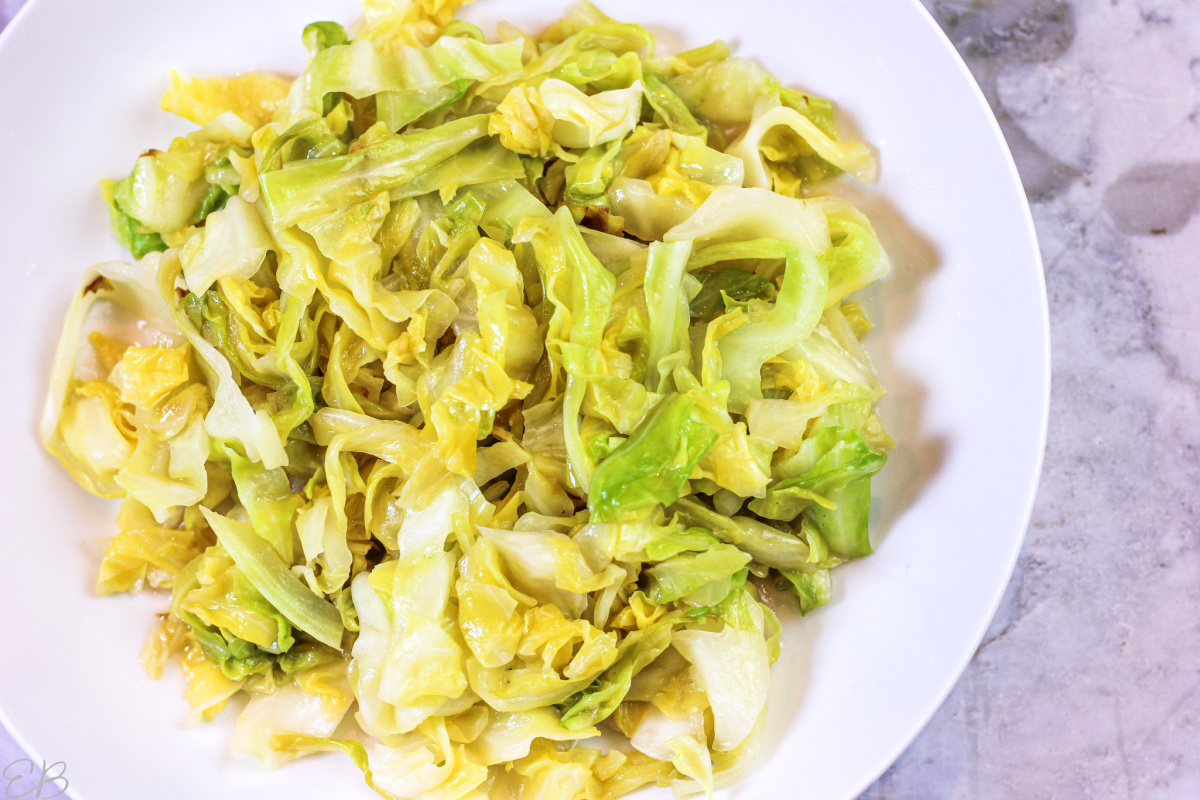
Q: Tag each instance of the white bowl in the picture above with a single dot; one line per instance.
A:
(961, 342)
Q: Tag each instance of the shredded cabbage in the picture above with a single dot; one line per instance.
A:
(473, 400)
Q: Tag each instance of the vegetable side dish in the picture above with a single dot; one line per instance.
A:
(467, 398)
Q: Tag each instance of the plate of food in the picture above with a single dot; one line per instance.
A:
(509, 401)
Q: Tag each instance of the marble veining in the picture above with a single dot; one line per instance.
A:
(1087, 684)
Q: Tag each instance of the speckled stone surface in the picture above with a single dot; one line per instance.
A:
(1087, 685)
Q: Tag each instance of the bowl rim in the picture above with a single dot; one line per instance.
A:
(920, 721)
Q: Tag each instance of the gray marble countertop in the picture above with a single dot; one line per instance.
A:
(1087, 685)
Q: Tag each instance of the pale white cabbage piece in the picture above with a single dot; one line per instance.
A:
(551, 567)
(231, 415)
(647, 214)
(853, 157)
(538, 120)
(408, 661)
(183, 481)
(287, 710)
(733, 667)
(135, 312)
(423, 767)
(680, 741)
(119, 301)
(232, 244)
(582, 121)
(321, 537)
(508, 736)
(736, 214)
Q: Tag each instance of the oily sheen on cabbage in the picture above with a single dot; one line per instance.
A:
(468, 399)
